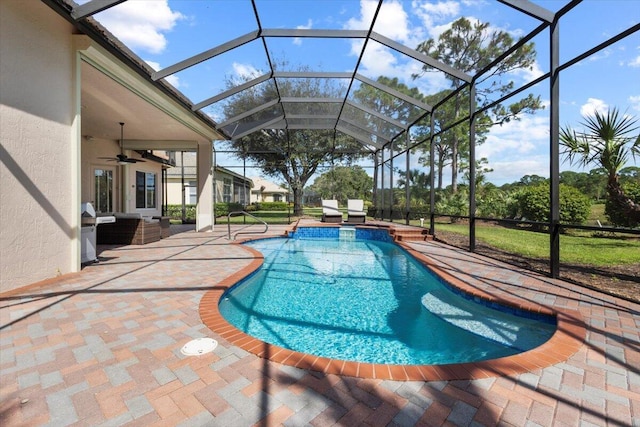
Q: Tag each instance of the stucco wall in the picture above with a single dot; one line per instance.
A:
(36, 117)
(174, 191)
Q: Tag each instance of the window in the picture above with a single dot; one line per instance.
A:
(239, 190)
(277, 197)
(145, 190)
(103, 190)
(226, 190)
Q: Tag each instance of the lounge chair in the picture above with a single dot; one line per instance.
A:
(355, 211)
(330, 212)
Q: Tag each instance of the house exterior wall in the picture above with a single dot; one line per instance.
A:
(174, 188)
(174, 191)
(257, 197)
(267, 191)
(39, 208)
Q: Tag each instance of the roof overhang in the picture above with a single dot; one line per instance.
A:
(112, 92)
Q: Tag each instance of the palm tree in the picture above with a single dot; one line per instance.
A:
(606, 143)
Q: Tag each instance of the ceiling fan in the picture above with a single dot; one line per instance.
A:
(122, 158)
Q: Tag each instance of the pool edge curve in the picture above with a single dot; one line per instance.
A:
(566, 341)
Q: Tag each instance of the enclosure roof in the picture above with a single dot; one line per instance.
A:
(261, 31)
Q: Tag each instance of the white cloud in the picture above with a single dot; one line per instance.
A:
(433, 14)
(392, 20)
(511, 171)
(517, 148)
(141, 24)
(529, 75)
(172, 80)
(298, 40)
(516, 138)
(635, 63)
(600, 55)
(593, 105)
(244, 72)
(635, 102)
(379, 60)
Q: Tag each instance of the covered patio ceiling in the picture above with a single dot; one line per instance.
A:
(107, 102)
(343, 113)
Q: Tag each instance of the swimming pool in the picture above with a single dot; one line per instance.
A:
(369, 301)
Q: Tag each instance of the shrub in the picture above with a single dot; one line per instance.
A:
(272, 206)
(223, 209)
(614, 212)
(175, 212)
(453, 203)
(532, 203)
(493, 203)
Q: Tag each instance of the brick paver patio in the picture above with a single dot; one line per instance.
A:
(102, 347)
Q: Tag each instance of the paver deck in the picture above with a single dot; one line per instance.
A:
(102, 347)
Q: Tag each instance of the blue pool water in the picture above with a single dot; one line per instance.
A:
(369, 301)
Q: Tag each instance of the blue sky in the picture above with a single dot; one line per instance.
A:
(163, 32)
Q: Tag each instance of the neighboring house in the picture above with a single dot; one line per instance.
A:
(66, 86)
(266, 191)
(229, 186)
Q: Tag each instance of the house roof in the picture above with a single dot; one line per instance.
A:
(269, 187)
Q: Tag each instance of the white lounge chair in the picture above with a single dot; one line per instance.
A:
(355, 211)
(330, 212)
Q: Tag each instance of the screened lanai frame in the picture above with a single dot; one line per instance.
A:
(363, 124)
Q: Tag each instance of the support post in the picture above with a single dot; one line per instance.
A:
(375, 184)
(472, 167)
(407, 181)
(204, 217)
(183, 210)
(554, 161)
(432, 179)
(391, 182)
(382, 184)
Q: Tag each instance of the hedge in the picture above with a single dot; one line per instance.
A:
(271, 206)
(175, 212)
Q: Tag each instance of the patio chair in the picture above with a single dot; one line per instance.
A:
(330, 212)
(355, 211)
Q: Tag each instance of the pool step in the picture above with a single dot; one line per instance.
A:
(410, 234)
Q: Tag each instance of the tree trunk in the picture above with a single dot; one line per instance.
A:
(454, 166)
(628, 206)
(297, 203)
(440, 169)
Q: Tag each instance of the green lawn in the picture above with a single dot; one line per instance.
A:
(597, 214)
(599, 251)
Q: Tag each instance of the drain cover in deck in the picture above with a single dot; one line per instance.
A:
(199, 346)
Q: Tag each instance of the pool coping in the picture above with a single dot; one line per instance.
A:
(566, 341)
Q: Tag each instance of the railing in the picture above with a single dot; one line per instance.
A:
(238, 213)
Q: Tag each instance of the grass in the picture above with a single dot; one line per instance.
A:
(597, 214)
(598, 251)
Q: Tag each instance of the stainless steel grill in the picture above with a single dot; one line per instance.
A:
(89, 222)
